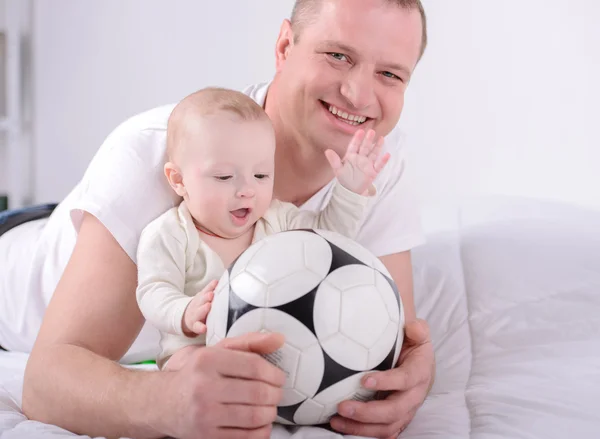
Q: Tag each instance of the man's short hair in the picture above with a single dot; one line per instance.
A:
(305, 11)
(210, 101)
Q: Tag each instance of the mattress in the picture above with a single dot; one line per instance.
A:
(14, 425)
(512, 296)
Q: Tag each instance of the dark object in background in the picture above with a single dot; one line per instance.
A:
(10, 219)
(3, 203)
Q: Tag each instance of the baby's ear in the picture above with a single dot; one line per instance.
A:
(175, 179)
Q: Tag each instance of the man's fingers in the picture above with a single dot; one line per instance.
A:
(260, 343)
(239, 364)
(246, 416)
(241, 391)
(417, 332)
(239, 359)
(355, 428)
(414, 370)
(386, 411)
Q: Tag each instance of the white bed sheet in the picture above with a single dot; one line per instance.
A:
(512, 296)
(14, 425)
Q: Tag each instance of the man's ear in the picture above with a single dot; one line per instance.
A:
(285, 41)
(175, 178)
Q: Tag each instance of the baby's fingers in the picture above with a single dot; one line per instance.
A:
(199, 328)
(381, 162)
(203, 311)
(355, 143)
(207, 297)
(376, 149)
(368, 143)
(210, 286)
(198, 317)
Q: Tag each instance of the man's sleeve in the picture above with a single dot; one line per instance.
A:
(124, 185)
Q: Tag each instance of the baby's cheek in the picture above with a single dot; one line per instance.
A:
(263, 205)
(219, 200)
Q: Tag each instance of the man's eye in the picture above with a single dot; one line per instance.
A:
(338, 56)
(223, 177)
(391, 75)
(261, 176)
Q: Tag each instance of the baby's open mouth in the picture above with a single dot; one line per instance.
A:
(241, 213)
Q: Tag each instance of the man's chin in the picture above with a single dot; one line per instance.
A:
(337, 142)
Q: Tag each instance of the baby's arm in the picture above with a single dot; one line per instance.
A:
(342, 214)
(161, 276)
(355, 174)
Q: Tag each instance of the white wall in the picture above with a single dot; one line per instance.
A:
(507, 100)
(101, 61)
(503, 102)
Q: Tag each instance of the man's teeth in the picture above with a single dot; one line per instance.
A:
(351, 119)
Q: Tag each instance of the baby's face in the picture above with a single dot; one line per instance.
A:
(228, 173)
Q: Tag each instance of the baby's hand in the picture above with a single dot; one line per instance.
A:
(194, 317)
(361, 164)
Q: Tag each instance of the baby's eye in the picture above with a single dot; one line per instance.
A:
(261, 176)
(223, 177)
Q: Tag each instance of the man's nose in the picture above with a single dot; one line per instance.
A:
(357, 88)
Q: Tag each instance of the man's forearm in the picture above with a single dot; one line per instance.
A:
(77, 390)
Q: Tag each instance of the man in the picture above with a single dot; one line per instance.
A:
(340, 65)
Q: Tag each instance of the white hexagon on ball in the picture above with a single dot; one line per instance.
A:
(356, 317)
(263, 274)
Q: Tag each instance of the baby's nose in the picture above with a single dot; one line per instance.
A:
(245, 192)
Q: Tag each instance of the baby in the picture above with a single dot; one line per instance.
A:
(221, 161)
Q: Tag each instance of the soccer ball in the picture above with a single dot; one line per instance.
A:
(335, 303)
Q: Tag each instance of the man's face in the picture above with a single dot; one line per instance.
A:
(348, 70)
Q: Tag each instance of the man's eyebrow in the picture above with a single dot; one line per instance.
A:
(400, 67)
(344, 48)
(336, 45)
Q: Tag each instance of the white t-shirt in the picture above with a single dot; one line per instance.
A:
(125, 188)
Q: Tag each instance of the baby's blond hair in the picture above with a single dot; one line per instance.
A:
(208, 102)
